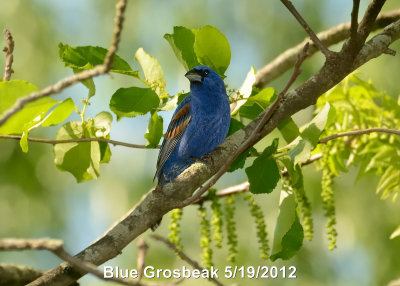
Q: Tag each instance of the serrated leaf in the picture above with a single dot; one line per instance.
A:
(154, 130)
(182, 41)
(212, 49)
(80, 159)
(133, 101)
(12, 90)
(264, 174)
(257, 103)
(288, 235)
(153, 72)
(86, 57)
(60, 113)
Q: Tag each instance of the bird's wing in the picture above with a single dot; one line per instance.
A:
(178, 124)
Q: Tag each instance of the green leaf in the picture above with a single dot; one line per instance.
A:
(289, 235)
(257, 103)
(133, 101)
(86, 57)
(32, 113)
(59, 114)
(239, 162)
(302, 146)
(264, 174)
(80, 159)
(395, 233)
(182, 42)
(101, 129)
(102, 124)
(23, 142)
(289, 129)
(153, 72)
(154, 130)
(212, 49)
(89, 83)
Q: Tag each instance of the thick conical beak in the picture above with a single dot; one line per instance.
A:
(194, 76)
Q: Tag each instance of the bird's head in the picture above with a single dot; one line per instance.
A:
(204, 76)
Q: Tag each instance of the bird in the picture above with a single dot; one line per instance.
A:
(199, 124)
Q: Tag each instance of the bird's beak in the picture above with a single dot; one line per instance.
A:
(194, 76)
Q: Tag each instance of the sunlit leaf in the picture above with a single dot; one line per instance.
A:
(212, 49)
(154, 130)
(86, 57)
(182, 41)
(153, 72)
(60, 113)
(289, 235)
(10, 91)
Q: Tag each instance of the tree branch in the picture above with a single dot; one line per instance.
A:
(183, 256)
(56, 247)
(66, 82)
(354, 19)
(77, 140)
(157, 203)
(359, 132)
(8, 49)
(15, 275)
(307, 28)
(287, 59)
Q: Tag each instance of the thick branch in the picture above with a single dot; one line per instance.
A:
(8, 49)
(157, 203)
(287, 59)
(56, 246)
(15, 275)
(66, 82)
(77, 140)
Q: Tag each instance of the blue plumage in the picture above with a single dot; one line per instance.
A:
(200, 123)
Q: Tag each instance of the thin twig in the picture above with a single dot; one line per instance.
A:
(77, 140)
(8, 49)
(66, 82)
(141, 258)
(183, 256)
(360, 132)
(56, 247)
(307, 28)
(367, 22)
(354, 19)
(254, 135)
(286, 60)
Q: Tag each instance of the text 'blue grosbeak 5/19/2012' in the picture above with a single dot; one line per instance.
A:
(200, 123)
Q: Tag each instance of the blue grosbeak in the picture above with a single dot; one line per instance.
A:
(200, 123)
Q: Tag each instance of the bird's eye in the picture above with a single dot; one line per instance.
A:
(206, 72)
